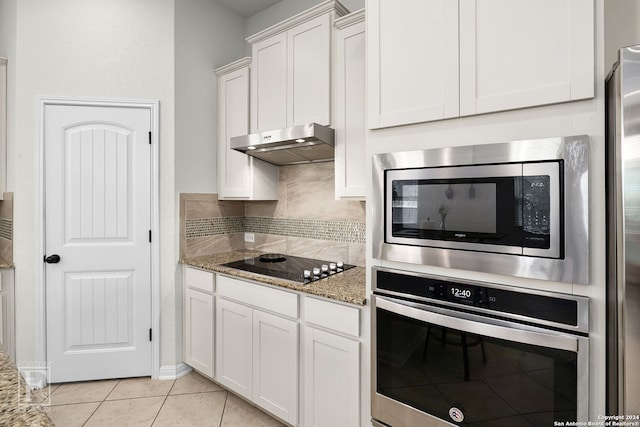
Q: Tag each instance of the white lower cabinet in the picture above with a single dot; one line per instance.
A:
(275, 365)
(198, 320)
(331, 369)
(7, 322)
(233, 346)
(256, 351)
(332, 379)
(261, 355)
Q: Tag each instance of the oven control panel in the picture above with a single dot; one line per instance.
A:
(494, 299)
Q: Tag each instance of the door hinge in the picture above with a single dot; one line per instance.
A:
(150, 334)
(149, 236)
(149, 137)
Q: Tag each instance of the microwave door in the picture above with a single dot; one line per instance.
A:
(470, 207)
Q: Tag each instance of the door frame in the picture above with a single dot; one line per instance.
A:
(40, 291)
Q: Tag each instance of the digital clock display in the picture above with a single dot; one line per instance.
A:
(456, 292)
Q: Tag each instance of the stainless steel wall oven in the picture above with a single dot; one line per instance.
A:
(475, 354)
(517, 208)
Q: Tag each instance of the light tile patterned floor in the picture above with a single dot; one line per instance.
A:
(191, 400)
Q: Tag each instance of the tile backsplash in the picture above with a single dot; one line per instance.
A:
(305, 221)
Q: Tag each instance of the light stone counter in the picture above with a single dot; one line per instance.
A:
(16, 409)
(5, 264)
(348, 286)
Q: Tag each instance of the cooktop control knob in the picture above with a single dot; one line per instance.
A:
(316, 271)
(332, 267)
(340, 265)
(325, 268)
(306, 274)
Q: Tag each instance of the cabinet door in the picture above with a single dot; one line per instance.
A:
(7, 313)
(239, 176)
(198, 328)
(412, 61)
(269, 84)
(233, 112)
(332, 380)
(275, 365)
(309, 71)
(3, 313)
(234, 346)
(350, 112)
(517, 54)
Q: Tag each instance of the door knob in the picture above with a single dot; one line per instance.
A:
(52, 259)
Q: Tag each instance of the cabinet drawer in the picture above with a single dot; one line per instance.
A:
(337, 317)
(282, 302)
(199, 279)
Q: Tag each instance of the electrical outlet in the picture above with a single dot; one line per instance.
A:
(249, 237)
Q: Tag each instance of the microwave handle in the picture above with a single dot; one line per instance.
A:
(478, 325)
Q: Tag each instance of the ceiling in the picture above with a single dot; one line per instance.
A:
(246, 8)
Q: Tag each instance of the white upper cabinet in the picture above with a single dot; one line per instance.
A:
(350, 107)
(291, 71)
(239, 176)
(516, 54)
(413, 61)
(457, 58)
(309, 65)
(269, 84)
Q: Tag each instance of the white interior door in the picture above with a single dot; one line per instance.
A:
(97, 220)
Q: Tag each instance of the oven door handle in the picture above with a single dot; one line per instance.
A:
(479, 325)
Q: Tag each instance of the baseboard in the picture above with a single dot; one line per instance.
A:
(172, 372)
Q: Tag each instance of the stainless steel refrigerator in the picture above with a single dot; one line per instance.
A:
(623, 233)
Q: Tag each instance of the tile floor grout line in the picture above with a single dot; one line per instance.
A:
(160, 409)
(78, 403)
(92, 414)
(224, 408)
(99, 405)
(172, 386)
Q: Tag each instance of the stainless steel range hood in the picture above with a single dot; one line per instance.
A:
(298, 144)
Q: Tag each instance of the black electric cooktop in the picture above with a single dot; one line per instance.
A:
(287, 267)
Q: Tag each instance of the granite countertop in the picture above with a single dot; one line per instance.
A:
(348, 286)
(16, 409)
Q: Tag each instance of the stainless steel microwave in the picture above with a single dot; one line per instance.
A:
(518, 208)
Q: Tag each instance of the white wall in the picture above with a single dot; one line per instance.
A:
(207, 36)
(115, 49)
(622, 28)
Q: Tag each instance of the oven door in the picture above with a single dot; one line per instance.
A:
(437, 366)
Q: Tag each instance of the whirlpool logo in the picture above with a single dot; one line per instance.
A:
(456, 415)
